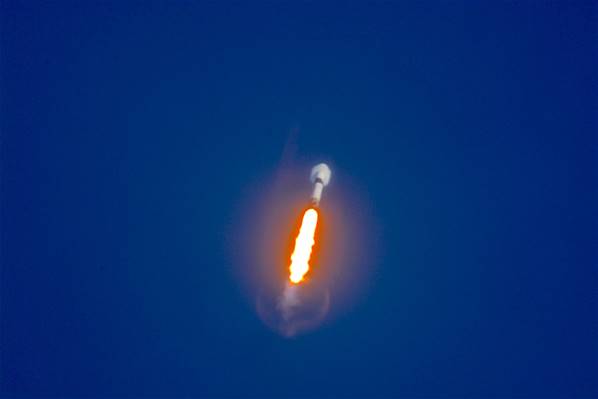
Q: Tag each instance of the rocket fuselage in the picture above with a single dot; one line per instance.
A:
(316, 195)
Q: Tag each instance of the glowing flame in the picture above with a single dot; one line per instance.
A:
(303, 246)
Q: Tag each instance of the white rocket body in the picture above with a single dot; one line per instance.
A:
(320, 176)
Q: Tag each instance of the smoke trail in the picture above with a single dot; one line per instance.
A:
(299, 308)
(288, 301)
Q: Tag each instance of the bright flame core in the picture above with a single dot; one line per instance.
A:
(303, 246)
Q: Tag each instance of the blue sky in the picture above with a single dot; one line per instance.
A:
(133, 131)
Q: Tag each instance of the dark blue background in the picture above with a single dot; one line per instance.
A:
(130, 131)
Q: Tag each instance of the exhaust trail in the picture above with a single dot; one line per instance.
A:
(303, 246)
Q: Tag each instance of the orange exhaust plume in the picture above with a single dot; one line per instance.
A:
(303, 246)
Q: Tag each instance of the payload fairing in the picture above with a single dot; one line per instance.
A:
(320, 176)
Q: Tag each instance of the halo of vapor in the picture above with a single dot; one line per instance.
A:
(261, 240)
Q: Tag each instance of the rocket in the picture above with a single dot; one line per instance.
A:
(320, 177)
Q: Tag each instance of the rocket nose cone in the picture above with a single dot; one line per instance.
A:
(321, 172)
